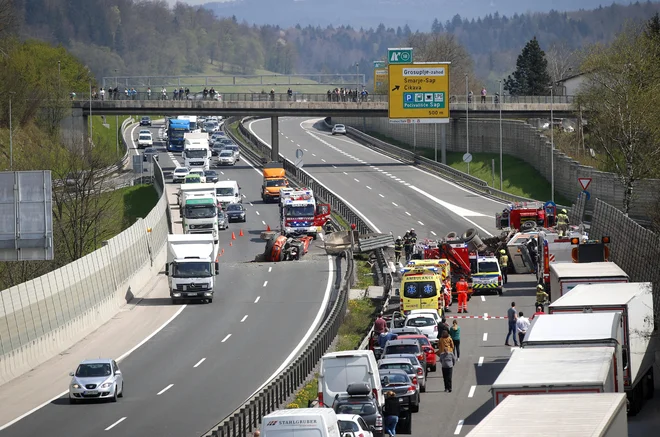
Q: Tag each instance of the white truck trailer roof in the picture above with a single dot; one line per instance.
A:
(183, 246)
(588, 270)
(602, 294)
(195, 136)
(560, 415)
(556, 366)
(576, 327)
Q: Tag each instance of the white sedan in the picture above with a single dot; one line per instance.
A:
(352, 423)
(339, 129)
(179, 174)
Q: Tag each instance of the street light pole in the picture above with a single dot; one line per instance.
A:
(552, 146)
(91, 120)
(11, 140)
(59, 78)
(357, 80)
(467, 119)
(499, 102)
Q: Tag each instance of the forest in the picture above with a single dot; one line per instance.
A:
(150, 38)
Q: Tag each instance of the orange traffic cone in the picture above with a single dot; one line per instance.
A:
(223, 251)
(240, 234)
(231, 244)
(268, 228)
(233, 237)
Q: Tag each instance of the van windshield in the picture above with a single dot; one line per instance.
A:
(276, 183)
(300, 211)
(226, 191)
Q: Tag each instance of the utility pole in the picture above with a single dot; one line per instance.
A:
(467, 119)
(11, 140)
(499, 101)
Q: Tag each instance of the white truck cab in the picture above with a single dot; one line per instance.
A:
(196, 150)
(191, 267)
(227, 192)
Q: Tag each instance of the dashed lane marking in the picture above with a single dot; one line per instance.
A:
(395, 204)
(477, 317)
(164, 390)
(472, 390)
(480, 363)
(420, 223)
(199, 362)
(459, 427)
(437, 234)
(244, 317)
(115, 424)
(483, 298)
(265, 283)
(256, 212)
(380, 195)
(226, 338)
(356, 180)
(257, 299)
(368, 187)
(407, 213)
(485, 338)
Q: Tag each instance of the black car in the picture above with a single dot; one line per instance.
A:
(360, 400)
(236, 212)
(145, 121)
(211, 176)
(399, 382)
(148, 153)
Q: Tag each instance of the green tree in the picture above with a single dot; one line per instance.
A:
(531, 77)
(621, 94)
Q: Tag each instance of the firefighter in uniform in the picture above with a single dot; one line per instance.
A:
(542, 298)
(462, 290)
(413, 241)
(407, 246)
(504, 265)
(562, 223)
(398, 247)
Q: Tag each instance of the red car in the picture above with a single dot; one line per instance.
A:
(425, 343)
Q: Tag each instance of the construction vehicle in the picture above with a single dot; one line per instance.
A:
(274, 180)
(282, 248)
(300, 214)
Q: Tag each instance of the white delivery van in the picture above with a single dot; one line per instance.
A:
(301, 422)
(565, 276)
(339, 369)
(227, 192)
(575, 415)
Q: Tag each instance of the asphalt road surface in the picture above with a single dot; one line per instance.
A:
(395, 197)
(212, 357)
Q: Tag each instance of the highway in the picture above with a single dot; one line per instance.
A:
(211, 357)
(395, 197)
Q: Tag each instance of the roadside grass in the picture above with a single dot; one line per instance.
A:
(365, 276)
(520, 178)
(127, 205)
(104, 135)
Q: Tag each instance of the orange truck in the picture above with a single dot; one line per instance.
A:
(274, 180)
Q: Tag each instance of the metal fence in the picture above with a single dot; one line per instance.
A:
(144, 95)
(635, 249)
(43, 305)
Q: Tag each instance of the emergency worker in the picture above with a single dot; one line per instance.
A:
(504, 265)
(562, 223)
(446, 289)
(398, 247)
(462, 290)
(542, 298)
(407, 246)
(413, 242)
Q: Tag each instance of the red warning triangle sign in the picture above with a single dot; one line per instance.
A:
(584, 182)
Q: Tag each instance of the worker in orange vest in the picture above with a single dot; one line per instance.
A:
(462, 290)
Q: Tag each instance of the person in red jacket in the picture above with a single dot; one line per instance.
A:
(462, 290)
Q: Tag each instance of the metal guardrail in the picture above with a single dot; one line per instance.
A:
(370, 242)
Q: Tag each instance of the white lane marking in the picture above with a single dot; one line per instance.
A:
(270, 269)
(244, 317)
(226, 338)
(115, 424)
(345, 173)
(306, 150)
(285, 136)
(292, 141)
(313, 154)
(480, 362)
(368, 187)
(485, 337)
(251, 204)
(395, 204)
(457, 431)
(380, 195)
(256, 212)
(357, 211)
(408, 213)
(356, 180)
(263, 222)
(483, 298)
(437, 234)
(257, 299)
(381, 170)
(199, 362)
(485, 316)
(420, 223)
(322, 160)
(472, 390)
(164, 390)
(334, 166)
(265, 283)
(222, 172)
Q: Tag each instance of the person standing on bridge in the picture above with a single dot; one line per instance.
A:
(542, 297)
(484, 93)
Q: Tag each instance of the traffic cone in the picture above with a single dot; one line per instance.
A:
(267, 228)
(240, 234)
(231, 244)
(233, 237)
(223, 251)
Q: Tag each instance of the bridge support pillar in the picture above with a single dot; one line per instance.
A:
(74, 128)
(274, 138)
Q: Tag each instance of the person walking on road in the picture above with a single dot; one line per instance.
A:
(398, 247)
(445, 343)
(462, 290)
(380, 325)
(504, 265)
(522, 325)
(455, 334)
(447, 362)
(391, 411)
(512, 316)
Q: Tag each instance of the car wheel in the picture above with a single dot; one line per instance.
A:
(114, 396)
(121, 393)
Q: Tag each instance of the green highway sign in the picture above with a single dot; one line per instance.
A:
(379, 64)
(400, 56)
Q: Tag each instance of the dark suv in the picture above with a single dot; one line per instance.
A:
(145, 121)
(359, 400)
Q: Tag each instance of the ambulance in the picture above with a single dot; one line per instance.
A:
(421, 289)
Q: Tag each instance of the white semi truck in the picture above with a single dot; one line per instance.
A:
(565, 276)
(580, 330)
(634, 300)
(196, 151)
(552, 370)
(191, 267)
(575, 415)
(194, 190)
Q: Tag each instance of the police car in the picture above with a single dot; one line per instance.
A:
(486, 275)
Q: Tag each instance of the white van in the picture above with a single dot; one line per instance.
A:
(301, 422)
(339, 369)
(227, 192)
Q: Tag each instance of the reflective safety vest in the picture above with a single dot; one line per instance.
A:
(504, 260)
(541, 296)
(398, 245)
(562, 219)
(461, 287)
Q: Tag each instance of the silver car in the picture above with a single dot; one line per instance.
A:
(223, 221)
(226, 157)
(96, 379)
(339, 129)
(414, 371)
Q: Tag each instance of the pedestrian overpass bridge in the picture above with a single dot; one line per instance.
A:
(322, 105)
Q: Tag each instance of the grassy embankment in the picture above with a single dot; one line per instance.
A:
(520, 178)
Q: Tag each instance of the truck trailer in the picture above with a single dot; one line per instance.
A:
(580, 330)
(565, 276)
(634, 301)
(574, 415)
(554, 370)
(191, 266)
